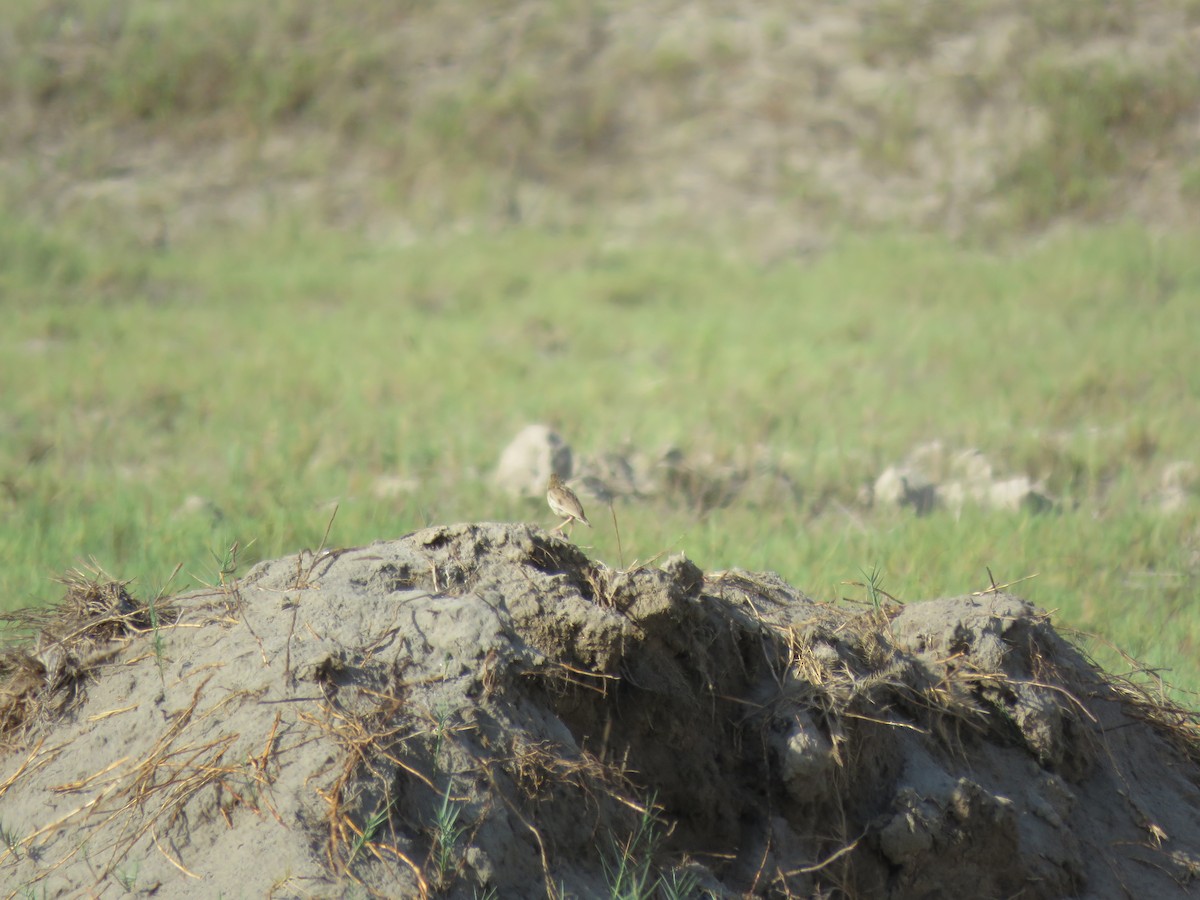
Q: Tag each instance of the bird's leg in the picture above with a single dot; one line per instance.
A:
(559, 526)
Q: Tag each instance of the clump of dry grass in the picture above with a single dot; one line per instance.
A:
(1146, 696)
(48, 652)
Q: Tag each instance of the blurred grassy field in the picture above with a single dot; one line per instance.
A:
(277, 373)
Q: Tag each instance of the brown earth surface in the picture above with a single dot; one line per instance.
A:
(482, 710)
(776, 121)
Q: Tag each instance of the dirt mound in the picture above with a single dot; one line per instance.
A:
(481, 710)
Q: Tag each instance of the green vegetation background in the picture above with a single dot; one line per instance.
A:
(277, 368)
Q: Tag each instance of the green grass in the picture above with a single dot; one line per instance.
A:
(446, 834)
(1099, 117)
(630, 869)
(276, 373)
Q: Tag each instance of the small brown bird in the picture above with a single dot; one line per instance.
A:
(563, 502)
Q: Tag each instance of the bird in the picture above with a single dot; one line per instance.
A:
(563, 502)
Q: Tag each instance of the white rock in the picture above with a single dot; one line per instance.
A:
(1179, 480)
(972, 467)
(1017, 493)
(905, 487)
(530, 457)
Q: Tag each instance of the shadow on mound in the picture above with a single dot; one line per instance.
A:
(481, 710)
